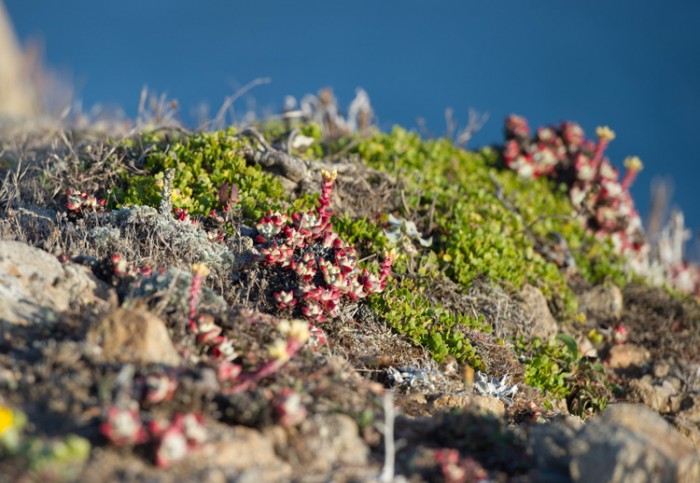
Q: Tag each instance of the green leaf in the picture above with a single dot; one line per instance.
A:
(570, 344)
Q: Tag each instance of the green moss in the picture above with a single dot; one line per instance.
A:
(556, 367)
(202, 163)
(477, 234)
(408, 311)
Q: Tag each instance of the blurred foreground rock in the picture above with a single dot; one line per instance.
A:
(625, 443)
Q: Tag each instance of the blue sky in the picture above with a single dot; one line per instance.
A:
(630, 64)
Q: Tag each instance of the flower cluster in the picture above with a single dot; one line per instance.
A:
(564, 154)
(79, 202)
(599, 195)
(456, 469)
(294, 334)
(174, 439)
(323, 267)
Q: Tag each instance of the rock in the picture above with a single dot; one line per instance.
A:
(690, 408)
(325, 442)
(627, 442)
(603, 302)
(466, 401)
(548, 444)
(544, 325)
(689, 430)
(661, 369)
(35, 287)
(625, 356)
(632, 443)
(133, 335)
(244, 449)
(658, 397)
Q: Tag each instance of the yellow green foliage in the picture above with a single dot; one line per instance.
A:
(203, 163)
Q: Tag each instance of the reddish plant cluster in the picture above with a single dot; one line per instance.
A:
(322, 268)
(230, 374)
(213, 224)
(456, 469)
(564, 154)
(173, 440)
(80, 202)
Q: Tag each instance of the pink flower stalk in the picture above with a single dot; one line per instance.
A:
(280, 352)
(605, 135)
(634, 165)
(324, 202)
(199, 273)
(122, 425)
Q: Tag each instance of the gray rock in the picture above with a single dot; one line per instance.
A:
(626, 443)
(244, 451)
(133, 335)
(658, 397)
(534, 304)
(465, 400)
(327, 442)
(601, 303)
(35, 287)
(626, 356)
(690, 408)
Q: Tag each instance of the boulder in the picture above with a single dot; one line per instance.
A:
(133, 335)
(625, 443)
(35, 287)
(602, 303)
(534, 304)
(324, 443)
(626, 356)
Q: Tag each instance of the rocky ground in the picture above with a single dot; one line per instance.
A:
(108, 373)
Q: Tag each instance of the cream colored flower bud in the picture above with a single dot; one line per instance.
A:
(200, 269)
(633, 163)
(329, 176)
(604, 132)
